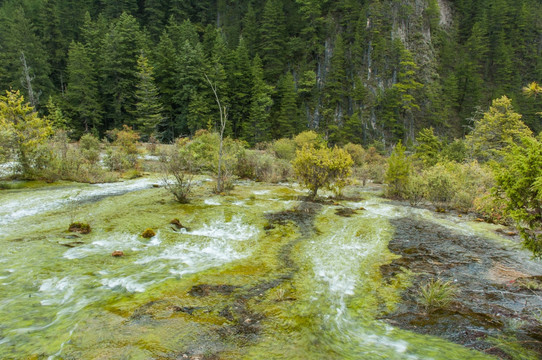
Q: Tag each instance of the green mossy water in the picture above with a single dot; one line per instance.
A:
(309, 286)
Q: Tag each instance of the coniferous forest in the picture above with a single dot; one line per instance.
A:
(352, 70)
(271, 179)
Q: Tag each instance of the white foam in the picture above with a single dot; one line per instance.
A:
(33, 202)
(232, 230)
(58, 291)
(128, 283)
(211, 202)
(113, 242)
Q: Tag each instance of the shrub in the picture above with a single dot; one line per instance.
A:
(61, 160)
(397, 174)
(285, 149)
(357, 153)
(178, 165)
(429, 147)
(455, 151)
(23, 133)
(440, 185)
(310, 138)
(519, 185)
(322, 167)
(90, 148)
(415, 191)
(123, 154)
(436, 294)
(261, 166)
(203, 152)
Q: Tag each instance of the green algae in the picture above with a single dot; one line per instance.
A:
(307, 286)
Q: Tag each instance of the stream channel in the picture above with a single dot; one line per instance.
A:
(256, 274)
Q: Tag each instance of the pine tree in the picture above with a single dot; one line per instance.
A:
(256, 129)
(239, 86)
(155, 16)
(122, 45)
(250, 30)
(82, 91)
(23, 58)
(54, 42)
(287, 121)
(194, 108)
(335, 92)
(166, 60)
(273, 35)
(148, 110)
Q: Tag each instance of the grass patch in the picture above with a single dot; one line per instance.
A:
(436, 294)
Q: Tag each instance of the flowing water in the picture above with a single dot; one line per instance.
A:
(254, 275)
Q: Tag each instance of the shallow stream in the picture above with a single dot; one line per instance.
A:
(257, 274)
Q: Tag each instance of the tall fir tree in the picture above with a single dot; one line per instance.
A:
(23, 58)
(257, 128)
(122, 45)
(287, 122)
(166, 60)
(239, 88)
(82, 91)
(148, 110)
(273, 39)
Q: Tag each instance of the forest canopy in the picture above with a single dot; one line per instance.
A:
(354, 71)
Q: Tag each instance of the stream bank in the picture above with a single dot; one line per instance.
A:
(498, 289)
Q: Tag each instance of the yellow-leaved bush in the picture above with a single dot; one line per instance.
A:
(322, 167)
(22, 131)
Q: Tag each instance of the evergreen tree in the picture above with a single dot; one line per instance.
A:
(167, 60)
(23, 58)
(82, 91)
(53, 41)
(193, 110)
(239, 86)
(272, 36)
(336, 92)
(155, 16)
(122, 45)
(287, 122)
(256, 129)
(148, 110)
(250, 30)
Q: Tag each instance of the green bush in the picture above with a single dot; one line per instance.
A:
(519, 185)
(61, 160)
(455, 151)
(322, 167)
(177, 164)
(398, 172)
(357, 153)
(310, 138)
(285, 149)
(123, 154)
(440, 185)
(261, 166)
(90, 148)
(203, 152)
(416, 188)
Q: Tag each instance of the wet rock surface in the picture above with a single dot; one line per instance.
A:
(499, 290)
